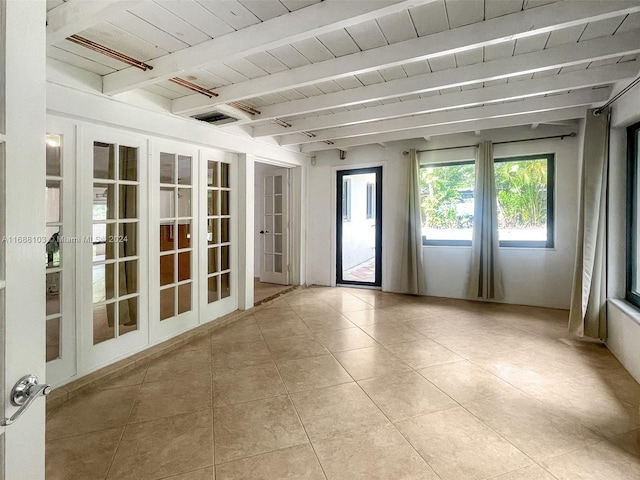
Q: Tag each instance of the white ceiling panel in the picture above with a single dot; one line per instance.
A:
(370, 78)
(165, 20)
(574, 68)
(416, 68)
(206, 79)
(409, 98)
(293, 5)
(213, 79)
(289, 56)
(602, 28)
(537, 3)
(91, 55)
(464, 12)
(430, 18)
(473, 86)
(198, 16)
(163, 92)
(143, 29)
(445, 91)
(327, 87)
(492, 83)
(309, 91)
(232, 12)
(123, 41)
(564, 36)
(292, 95)
(397, 27)
(348, 82)
(313, 50)
(367, 35)
(265, 9)
(228, 74)
(393, 73)
(547, 73)
(631, 22)
(499, 50)
(602, 63)
(78, 61)
(339, 43)
(531, 44)
(629, 58)
(519, 78)
(273, 98)
(177, 89)
(469, 57)
(498, 8)
(444, 62)
(246, 68)
(267, 62)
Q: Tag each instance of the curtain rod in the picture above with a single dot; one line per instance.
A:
(598, 111)
(572, 134)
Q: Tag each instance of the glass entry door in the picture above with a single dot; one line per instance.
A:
(359, 227)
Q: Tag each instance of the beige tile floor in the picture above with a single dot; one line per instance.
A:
(359, 384)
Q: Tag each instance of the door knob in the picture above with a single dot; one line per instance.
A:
(262, 232)
(24, 393)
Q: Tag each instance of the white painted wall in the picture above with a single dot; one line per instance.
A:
(532, 276)
(623, 329)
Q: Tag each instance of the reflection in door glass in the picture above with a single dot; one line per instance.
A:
(358, 229)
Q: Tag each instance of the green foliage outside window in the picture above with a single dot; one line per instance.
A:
(522, 193)
(521, 185)
(442, 190)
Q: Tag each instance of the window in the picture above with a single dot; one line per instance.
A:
(633, 214)
(524, 191)
(218, 231)
(446, 200)
(346, 200)
(371, 200)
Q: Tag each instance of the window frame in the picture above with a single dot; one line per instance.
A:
(551, 186)
(633, 150)
(548, 243)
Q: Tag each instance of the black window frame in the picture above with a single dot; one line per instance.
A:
(549, 242)
(633, 147)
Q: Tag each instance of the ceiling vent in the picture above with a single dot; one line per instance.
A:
(215, 118)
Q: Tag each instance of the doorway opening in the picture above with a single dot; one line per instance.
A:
(272, 234)
(359, 227)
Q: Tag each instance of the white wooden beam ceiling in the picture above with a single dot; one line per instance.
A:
(528, 63)
(523, 24)
(305, 23)
(536, 104)
(467, 98)
(73, 16)
(471, 126)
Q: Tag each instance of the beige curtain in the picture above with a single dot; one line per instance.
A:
(485, 277)
(587, 316)
(412, 274)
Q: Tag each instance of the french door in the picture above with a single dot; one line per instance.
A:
(174, 239)
(22, 218)
(113, 260)
(359, 227)
(274, 232)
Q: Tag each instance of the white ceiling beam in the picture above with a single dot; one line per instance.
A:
(509, 27)
(467, 98)
(307, 22)
(566, 55)
(421, 132)
(537, 104)
(74, 16)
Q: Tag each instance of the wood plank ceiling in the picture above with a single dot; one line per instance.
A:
(318, 75)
